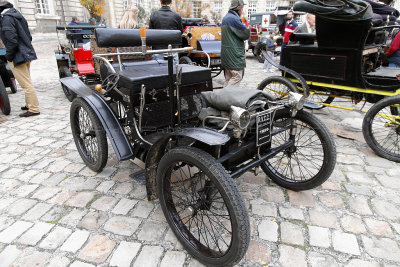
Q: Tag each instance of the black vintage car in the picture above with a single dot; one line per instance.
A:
(194, 140)
(343, 60)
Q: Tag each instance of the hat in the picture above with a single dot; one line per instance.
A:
(236, 4)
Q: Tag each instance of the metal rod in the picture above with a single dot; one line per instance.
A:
(106, 62)
(119, 60)
(171, 89)
(148, 52)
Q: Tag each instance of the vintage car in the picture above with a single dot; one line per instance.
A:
(194, 140)
(343, 60)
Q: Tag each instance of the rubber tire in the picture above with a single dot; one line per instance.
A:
(13, 86)
(102, 154)
(329, 149)
(368, 131)
(277, 79)
(65, 72)
(185, 60)
(258, 52)
(4, 100)
(216, 172)
(328, 100)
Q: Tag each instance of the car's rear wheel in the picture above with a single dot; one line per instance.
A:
(89, 135)
(258, 52)
(203, 206)
(279, 87)
(4, 101)
(65, 72)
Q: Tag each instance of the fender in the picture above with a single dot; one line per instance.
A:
(114, 131)
(157, 151)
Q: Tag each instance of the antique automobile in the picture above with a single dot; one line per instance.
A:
(6, 80)
(194, 141)
(343, 61)
(260, 47)
(73, 59)
(206, 43)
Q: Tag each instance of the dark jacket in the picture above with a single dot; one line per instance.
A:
(165, 18)
(233, 35)
(16, 37)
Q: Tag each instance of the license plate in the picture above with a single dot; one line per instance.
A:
(216, 61)
(264, 125)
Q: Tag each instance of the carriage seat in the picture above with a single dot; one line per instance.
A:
(156, 77)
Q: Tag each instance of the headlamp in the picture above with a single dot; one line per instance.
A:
(240, 117)
(296, 100)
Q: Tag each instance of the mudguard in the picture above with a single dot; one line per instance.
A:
(157, 150)
(114, 131)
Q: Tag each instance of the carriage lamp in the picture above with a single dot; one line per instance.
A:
(296, 100)
(240, 117)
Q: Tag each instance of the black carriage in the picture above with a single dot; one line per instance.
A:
(194, 140)
(343, 60)
(6, 80)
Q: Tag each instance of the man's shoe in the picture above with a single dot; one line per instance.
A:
(29, 114)
(24, 108)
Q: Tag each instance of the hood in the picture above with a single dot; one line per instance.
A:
(5, 5)
(13, 13)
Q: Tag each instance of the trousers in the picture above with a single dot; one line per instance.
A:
(233, 77)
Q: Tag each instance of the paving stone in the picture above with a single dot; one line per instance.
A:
(321, 260)
(379, 228)
(81, 264)
(268, 230)
(105, 186)
(258, 252)
(124, 206)
(55, 179)
(291, 213)
(358, 189)
(122, 175)
(379, 162)
(74, 167)
(40, 177)
(54, 214)
(75, 241)
(123, 188)
(9, 255)
(73, 218)
(35, 234)
(55, 238)
(328, 185)
(92, 221)
(264, 209)
(359, 263)
(61, 197)
(319, 236)
(125, 253)
(304, 198)
(386, 209)
(290, 256)
(151, 231)
(15, 230)
(37, 211)
(122, 225)
(353, 224)
(80, 200)
(149, 256)
(158, 215)
(35, 258)
(323, 218)
(173, 258)
(272, 194)
(359, 178)
(7, 185)
(331, 200)
(383, 248)
(104, 203)
(21, 206)
(387, 181)
(291, 234)
(396, 226)
(97, 250)
(346, 243)
(5, 222)
(58, 261)
(359, 205)
(46, 193)
(25, 190)
(350, 159)
(143, 209)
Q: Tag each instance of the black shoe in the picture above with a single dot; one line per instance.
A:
(24, 108)
(28, 114)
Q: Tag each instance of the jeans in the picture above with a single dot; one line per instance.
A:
(161, 57)
(268, 65)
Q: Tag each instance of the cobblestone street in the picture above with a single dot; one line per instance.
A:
(54, 211)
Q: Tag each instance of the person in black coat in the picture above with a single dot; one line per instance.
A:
(14, 33)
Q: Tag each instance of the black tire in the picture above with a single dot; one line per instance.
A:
(279, 87)
(258, 52)
(89, 135)
(229, 244)
(185, 60)
(312, 159)
(65, 72)
(13, 85)
(4, 101)
(381, 128)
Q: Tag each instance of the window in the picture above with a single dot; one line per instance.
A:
(252, 8)
(196, 9)
(125, 4)
(270, 5)
(139, 3)
(42, 7)
(291, 3)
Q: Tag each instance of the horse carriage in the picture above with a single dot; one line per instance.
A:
(194, 140)
(6, 80)
(343, 60)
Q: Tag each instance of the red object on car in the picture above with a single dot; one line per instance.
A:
(84, 61)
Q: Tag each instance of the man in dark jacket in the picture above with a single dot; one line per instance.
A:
(234, 33)
(17, 39)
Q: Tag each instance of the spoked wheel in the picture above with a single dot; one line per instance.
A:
(278, 86)
(65, 72)
(202, 206)
(13, 85)
(89, 135)
(258, 52)
(381, 128)
(317, 99)
(4, 101)
(310, 161)
(185, 60)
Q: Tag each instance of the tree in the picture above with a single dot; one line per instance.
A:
(95, 7)
(183, 8)
(142, 15)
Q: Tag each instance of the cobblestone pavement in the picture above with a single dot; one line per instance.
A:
(54, 211)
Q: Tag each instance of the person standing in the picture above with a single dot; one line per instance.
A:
(234, 33)
(130, 18)
(290, 26)
(393, 53)
(166, 19)
(308, 26)
(270, 48)
(17, 39)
